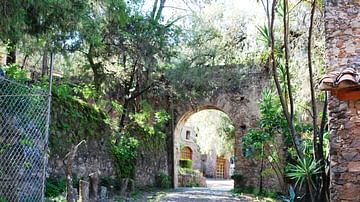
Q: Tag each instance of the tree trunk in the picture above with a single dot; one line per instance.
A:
(286, 44)
(45, 64)
(324, 187)
(94, 186)
(295, 138)
(68, 160)
(313, 99)
(11, 53)
(124, 186)
(261, 170)
(96, 68)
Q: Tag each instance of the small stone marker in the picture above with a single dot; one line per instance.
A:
(84, 191)
(103, 194)
(94, 185)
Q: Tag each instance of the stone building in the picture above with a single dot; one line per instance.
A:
(210, 164)
(342, 19)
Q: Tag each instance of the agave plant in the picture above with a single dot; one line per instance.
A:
(304, 171)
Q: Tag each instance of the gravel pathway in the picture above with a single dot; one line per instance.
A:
(216, 190)
(201, 195)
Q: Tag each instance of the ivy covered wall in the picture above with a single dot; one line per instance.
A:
(73, 120)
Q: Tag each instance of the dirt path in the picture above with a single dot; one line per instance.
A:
(201, 195)
(216, 190)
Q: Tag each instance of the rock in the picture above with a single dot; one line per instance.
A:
(103, 194)
(354, 166)
(349, 155)
(350, 192)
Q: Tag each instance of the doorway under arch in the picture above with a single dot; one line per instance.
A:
(205, 159)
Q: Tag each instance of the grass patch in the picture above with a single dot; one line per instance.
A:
(268, 195)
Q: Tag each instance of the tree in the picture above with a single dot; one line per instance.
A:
(285, 91)
(52, 20)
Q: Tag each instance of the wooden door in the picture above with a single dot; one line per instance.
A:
(220, 167)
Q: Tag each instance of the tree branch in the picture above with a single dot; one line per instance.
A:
(286, 44)
(295, 138)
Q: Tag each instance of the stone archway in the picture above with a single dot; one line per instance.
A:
(241, 105)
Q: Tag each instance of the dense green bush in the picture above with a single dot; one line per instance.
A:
(186, 163)
(125, 154)
(110, 182)
(54, 186)
(163, 180)
(238, 179)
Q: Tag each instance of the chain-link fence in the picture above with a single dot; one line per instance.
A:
(23, 140)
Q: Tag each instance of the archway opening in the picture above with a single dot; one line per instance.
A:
(204, 141)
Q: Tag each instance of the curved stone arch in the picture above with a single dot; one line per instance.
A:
(241, 106)
(178, 130)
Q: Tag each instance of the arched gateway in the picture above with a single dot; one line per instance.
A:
(240, 103)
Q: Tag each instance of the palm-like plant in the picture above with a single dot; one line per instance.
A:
(304, 171)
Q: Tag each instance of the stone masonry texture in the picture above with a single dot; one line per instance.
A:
(241, 105)
(342, 26)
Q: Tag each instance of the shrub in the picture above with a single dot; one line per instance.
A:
(163, 180)
(186, 163)
(125, 153)
(188, 171)
(110, 182)
(54, 187)
(238, 179)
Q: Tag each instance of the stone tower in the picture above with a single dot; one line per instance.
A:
(342, 19)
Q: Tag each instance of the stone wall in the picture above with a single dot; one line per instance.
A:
(240, 103)
(72, 122)
(342, 26)
(196, 155)
(94, 156)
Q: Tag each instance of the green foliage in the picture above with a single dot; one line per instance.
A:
(54, 187)
(255, 191)
(118, 108)
(185, 163)
(238, 179)
(264, 35)
(188, 171)
(76, 120)
(86, 91)
(149, 122)
(3, 199)
(271, 123)
(146, 128)
(62, 90)
(163, 181)
(125, 154)
(15, 73)
(303, 171)
(186, 82)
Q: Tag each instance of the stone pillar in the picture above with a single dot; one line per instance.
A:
(83, 191)
(2, 54)
(342, 26)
